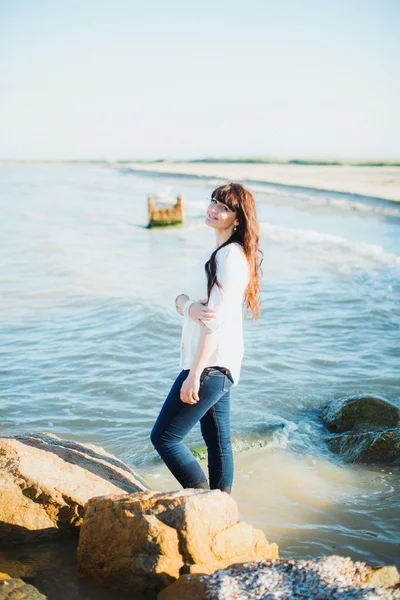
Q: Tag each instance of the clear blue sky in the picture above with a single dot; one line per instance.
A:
(125, 79)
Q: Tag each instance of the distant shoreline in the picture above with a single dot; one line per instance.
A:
(277, 161)
(375, 180)
(215, 160)
(380, 183)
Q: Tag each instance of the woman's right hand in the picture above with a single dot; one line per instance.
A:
(180, 302)
(199, 311)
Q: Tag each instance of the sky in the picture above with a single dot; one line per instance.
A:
(122, 79)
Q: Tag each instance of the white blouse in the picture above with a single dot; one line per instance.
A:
(233, 275)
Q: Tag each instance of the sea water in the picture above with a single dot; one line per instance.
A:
(90, 338)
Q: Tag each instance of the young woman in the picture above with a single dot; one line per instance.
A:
(212, 342)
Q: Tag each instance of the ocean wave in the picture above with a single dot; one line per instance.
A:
(256, 435)
(332, 247)
(333, 200)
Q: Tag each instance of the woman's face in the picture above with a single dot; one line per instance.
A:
(219, 216)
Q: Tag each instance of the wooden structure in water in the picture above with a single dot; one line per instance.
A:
(160, 216)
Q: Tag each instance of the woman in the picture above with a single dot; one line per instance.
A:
(212, 342)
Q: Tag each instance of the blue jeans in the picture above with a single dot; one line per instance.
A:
(177, 418)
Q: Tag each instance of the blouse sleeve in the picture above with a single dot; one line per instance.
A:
(182, 289)
(232, 274)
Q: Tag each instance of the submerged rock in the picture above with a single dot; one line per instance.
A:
(16, 589)
(45, 483)
(325, 578)
(253, 435)
(143, 542)
(367, 447)
(187, 587)
(360, 413)
(16, 568)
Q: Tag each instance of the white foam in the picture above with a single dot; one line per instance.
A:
(331, 248)
(373, 207)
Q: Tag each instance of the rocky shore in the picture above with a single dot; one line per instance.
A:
(325, 578)
(189, 544)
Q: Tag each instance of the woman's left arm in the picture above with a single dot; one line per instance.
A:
(205, 347)
(232, 275)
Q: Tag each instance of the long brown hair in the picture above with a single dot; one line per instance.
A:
(247, 234)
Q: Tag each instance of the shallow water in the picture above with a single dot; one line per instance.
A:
(311, 506)
(90, 338)
(52, 568)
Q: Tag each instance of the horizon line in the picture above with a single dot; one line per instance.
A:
(323, 161)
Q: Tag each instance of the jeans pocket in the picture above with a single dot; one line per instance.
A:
(221, 372)
(219, 375)
(228, 382)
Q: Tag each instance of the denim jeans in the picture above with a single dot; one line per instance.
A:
(177, 418)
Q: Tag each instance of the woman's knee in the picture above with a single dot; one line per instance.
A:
(162, 438)
(155, 438)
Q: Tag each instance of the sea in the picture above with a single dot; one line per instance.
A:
(90, 338)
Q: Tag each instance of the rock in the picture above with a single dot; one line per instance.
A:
(16, 589)
(325, 578)
(45, 483)
(16, 568)
(360, 413)
(190, 587)
(143, 542)
(380, 447)
(367, 427)
(386, 576)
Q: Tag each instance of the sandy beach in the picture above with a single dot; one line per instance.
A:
(376, 182)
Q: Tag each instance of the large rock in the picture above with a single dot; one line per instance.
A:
(360, 413)
(325, 578)
(45, 483)
(143, 542)
(379, 447)
(16, 589)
